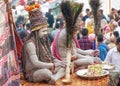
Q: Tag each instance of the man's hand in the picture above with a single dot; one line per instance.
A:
(97, 60)
(61, 63)
(73, 58)
(95, 53)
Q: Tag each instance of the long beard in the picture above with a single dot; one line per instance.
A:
(44, 49)
(44, 38)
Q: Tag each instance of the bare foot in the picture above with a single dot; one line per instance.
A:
(52, 81)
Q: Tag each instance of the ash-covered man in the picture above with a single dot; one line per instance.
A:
(83, 57)
(37, 60)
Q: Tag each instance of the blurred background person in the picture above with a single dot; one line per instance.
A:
(50, 19)
(102, 47)
(85, 43)
(88, 14)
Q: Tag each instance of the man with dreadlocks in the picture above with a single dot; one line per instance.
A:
(37, 60)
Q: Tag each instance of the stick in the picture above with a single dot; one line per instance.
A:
(67, 79)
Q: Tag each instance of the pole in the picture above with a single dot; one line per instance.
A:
(67, 79)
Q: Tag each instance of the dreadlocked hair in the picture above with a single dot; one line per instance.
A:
(43, 50)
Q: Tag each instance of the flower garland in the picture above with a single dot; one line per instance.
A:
(32, 7)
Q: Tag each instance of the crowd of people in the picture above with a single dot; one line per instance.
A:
(43, 55)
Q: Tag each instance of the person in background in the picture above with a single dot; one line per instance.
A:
(101, 14)
(50, 18)
(28, 28)
(84, 42)
(113, 14)
(102, 47)
(116, 27)
(112, 42)
(21, 28)
(91, 37)
(89, 25)
(103, 24)
(113, 58)
(20, 19)
(116, 34)
(14, 13)
(58, 26)
(107, 34)
(59, 17)
(105, 29)
(23, 35)
(88, 14)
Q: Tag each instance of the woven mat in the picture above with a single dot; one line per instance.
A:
(76, 81)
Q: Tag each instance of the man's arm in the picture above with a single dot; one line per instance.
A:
(108, 58)
(101, 55)
(77, 53)
(85, 52)
(31, 50)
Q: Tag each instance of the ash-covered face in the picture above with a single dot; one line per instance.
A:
(42, 32)
(78, 25)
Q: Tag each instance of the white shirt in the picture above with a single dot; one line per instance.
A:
(113, 56)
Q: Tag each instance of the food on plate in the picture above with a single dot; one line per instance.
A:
(95, 70)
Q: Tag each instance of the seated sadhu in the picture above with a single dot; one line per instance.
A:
(83, 57)
(36, 57)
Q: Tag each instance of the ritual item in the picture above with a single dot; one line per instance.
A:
(70, 11)
(95, 5)
(67, 79)
(93, 72)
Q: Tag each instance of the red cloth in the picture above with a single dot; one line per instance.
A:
(76, 42)
(54, 46)
(19, 43)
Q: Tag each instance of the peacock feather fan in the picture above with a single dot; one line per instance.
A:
(95, 5)
(70, 11)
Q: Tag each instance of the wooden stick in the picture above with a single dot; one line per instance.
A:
(67, 79)
(67, 75)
